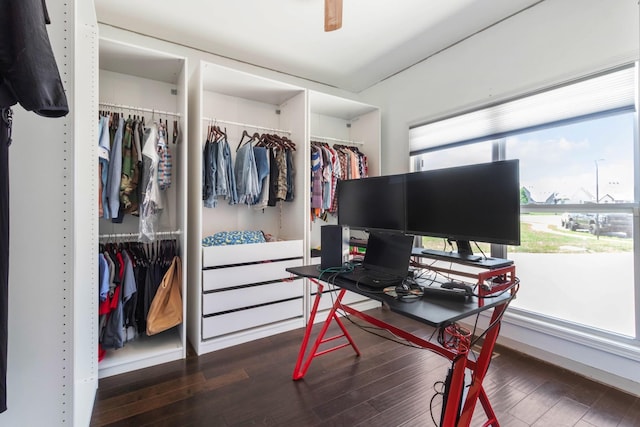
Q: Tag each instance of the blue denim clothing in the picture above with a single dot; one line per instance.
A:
(103, 277)
(103, 159)
(246, 175)
(222, 181)
(262, 165)
(115, 172)
(232, 191)
(218, 179)
(210, 168)
(106, 213)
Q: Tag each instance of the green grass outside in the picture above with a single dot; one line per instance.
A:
(556, 240)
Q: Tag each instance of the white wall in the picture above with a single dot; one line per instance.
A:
(52, 366)
(553, 42)
(550, 43)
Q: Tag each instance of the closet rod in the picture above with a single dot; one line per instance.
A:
(246, 125)
(136, 235)
(145, 110)
(346, 141)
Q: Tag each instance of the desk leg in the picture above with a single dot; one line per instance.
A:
(300, 370)
(479, 371)
(456, 387)
(297, 374)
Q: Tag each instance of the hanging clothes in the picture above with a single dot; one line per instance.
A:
(316, 179)
(130, 274)
(246, 175)
(225, 180)
(209, 168)
(328, 166)
(152, 200)
(115, 170)
(128, 173)
(104, 148)
(263, 165)
(291, 177)
(165, 164)
(218, 177)
(130, 170)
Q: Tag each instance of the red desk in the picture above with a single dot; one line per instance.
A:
(434, 312)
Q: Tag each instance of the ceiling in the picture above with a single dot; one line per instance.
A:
(378, 39)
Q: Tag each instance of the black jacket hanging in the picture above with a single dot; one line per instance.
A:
(28, 70)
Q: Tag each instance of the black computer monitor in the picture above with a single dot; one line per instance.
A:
(478, 203)
(373, 203)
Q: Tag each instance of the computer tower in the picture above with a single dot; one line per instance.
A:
(334, 246)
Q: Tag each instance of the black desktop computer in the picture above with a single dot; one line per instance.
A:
(334, 246)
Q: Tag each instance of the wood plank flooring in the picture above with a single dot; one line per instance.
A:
(388, 385)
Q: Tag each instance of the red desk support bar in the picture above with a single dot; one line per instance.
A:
(301, 369)
(480, 368)
(500, 279)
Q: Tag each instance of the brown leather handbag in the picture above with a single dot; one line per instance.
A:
(166, 308)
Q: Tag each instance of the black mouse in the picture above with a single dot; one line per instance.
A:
(403, 289)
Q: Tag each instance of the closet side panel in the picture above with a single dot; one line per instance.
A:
(41, 277)
(85, 226)
(293, 118)
(194, 208)
(182, 187)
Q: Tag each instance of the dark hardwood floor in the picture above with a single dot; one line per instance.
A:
(389, 385)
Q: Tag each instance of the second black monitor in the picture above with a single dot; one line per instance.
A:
(478, 202)
(373, 203)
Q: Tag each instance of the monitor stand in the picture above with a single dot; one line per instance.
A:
(464, 257)
(464, 252)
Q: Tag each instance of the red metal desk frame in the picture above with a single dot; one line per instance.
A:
(459, 356)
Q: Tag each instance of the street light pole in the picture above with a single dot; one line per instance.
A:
(597, 183)
(597, 199)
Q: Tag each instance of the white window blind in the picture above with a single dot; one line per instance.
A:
(607, 92)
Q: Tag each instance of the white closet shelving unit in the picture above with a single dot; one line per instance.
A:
(138, 81)
(236, 292)
(336, 120)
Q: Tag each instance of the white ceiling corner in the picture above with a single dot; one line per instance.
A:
(378, 39)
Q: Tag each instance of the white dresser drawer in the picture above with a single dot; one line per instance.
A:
(222, 324)
(215, 256)
(220, 278)
(233, 299)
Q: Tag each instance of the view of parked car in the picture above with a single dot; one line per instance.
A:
(600, 223)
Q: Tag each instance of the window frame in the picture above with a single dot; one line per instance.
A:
(604, 340)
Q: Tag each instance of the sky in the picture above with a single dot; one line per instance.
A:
(563, 159)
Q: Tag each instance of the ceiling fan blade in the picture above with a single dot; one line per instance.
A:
(332, 15)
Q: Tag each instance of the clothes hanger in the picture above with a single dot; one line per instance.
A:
(175, 132)
(245, 133)
(288, 143)
(263, 141)
(221, 132)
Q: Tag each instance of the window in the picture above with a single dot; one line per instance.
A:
(577, 175)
